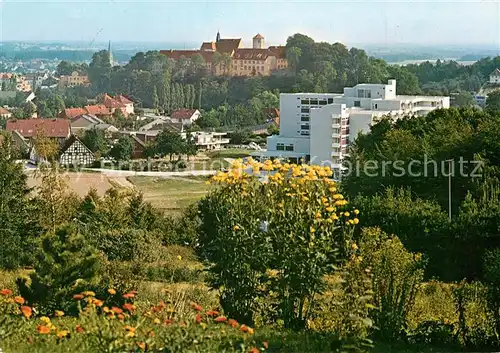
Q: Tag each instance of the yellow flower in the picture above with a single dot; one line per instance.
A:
(312, 230)
(59, 313)
(236, 227)
(111, 291)
(330, 209)
(157, 321)
(45, 319)
(354, 246)
(88, 293)
(347, 214)
(317, 215)
(356, 212)
(179, 257)
(62, 333)
(355, 220)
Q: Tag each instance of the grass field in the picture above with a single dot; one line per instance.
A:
(230, 153)
(171, 195)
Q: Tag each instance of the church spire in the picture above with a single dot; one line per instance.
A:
(218, 37)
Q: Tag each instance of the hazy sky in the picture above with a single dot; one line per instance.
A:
(366, 21)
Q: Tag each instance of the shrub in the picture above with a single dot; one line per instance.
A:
(282, 235)
(397, 274)
(66, 264)
(492, 280)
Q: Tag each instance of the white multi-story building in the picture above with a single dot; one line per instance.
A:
(495, 76)
(318, 127)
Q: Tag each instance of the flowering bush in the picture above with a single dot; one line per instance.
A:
(100, 327)
(272, 228)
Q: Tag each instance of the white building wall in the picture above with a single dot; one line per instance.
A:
(494, 79)
(323, 136)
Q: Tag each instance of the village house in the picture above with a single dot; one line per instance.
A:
(58, 129)
(75, 153)
(83, 121)
(73, 80)
(119, 102)
(185, 116)
(4, 113)
(495, 77)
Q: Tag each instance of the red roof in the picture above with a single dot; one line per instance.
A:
(251, 54)
(278, 51)
(71, 113)
(208, 46)
(123, 99)
(183, 114)
(49, 127)
(3, 111)
(228, 45)
(271, 113)
(98, 109)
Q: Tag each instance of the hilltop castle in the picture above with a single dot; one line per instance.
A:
(255, 61)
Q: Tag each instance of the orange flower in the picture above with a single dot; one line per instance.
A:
(197, 319)
(129, 307)
(43, 330)
(151, 334)
(5, 292)
(266, 345)
(116, 310)
(78, 297)
(221, 319)
(168, 322)
(253, 350)
(196, 307)
(19, 300)
(141, 345)
(128, 295)
(232, 322)
(79, 329)
(111, 291)
(27, 312)
(98, 302)
(212, 313)
(246, 329)
(120, 317)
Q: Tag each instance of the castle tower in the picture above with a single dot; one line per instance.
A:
(258, 41)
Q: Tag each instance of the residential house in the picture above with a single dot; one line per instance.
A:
(139, 147)
(58, 129)
(255, 61)
(75, 79)
(151, 126)
(19, 143)
(185, 116)
(83, 121)
(4, 113)
(71, 113)
(119, 102)
(495, 77)
(99, 110)
(75, 153)
(208, 140)
(109, 130)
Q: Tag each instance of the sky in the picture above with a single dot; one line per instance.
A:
(431, 22)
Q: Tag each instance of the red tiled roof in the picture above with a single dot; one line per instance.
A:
(251, 54)
(71, 113)
(271, 113)
(49, 127)
(208, 46)
(122, 99)
(177, 54)
(98, 109)
(3, 111)
(183, 114)
(228, 45)
(278, 51)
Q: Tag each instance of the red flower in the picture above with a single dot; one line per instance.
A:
(26, 310)
(129, 307)
(212, 313)
(246, 329)
(5, 292)
(253, 350)
(221, 319)
(79, 329)
(44, 330)
(197, 319)
(196, 307)
(78, 296)
(168, 322)
(19, 300)
(116, 310)
(120, 317)
(232, 322)
(129, 295)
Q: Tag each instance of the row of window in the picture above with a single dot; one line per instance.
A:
(316, 101)
(364, 93)
(256, 68)
(283, 147)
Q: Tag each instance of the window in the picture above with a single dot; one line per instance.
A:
(375, 106)
(289, 147)
(314, 102)
(330, 100)
(357, 103)
(304, 102)
(304, 110)
(336, 121)
(322, 102)
(304, 118)
(304, 133)
(280, 147)
(335, 131)
(304, 127)
(336, 140)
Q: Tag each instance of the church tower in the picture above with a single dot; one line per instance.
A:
(217, 38)
(258, 41)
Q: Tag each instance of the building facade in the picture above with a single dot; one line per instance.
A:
(318, 127)
(75, 79)
(495, 77)
(75, 153)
